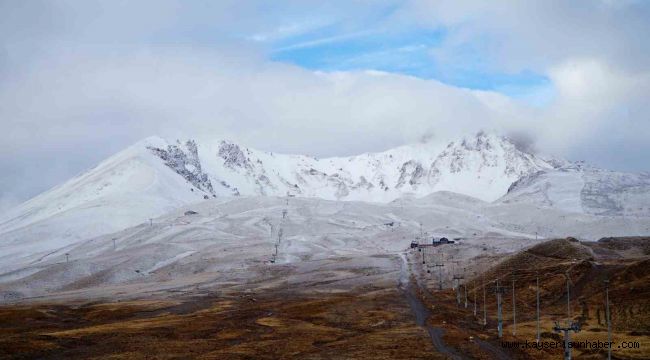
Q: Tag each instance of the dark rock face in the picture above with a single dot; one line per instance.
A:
(186, 163)
(363, 184)
(524, 181)
(233, 156)
(263, 182)
(255, 172)
(411, 171)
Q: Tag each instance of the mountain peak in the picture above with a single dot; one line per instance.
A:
(154, 176)
(487, 161)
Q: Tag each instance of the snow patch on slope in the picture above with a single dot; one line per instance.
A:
(230, 240)
(154, 177)
(124, 190)
(583, 189)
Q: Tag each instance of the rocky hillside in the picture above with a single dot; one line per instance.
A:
(482, 166)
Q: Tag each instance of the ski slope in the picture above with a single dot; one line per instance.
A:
(124, 190)
(123, 222)
(231, 241)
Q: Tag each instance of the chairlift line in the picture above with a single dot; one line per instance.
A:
(459, 278)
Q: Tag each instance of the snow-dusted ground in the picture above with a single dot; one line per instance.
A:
(124, 190)
(154, 177)
(230, 241)
(584, 189)
(352, 214)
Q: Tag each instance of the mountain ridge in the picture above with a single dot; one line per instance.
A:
(226, 168)
(153, 177)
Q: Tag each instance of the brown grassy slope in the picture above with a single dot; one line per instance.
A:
(587, 269)
(271, 325)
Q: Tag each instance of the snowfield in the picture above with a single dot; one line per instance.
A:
(122, 227)
(230, 242)
(126, 189)
(583, 189)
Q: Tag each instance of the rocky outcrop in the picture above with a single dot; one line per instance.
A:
(184, 160)
(482, 166)
(411, 172)
(233, 156)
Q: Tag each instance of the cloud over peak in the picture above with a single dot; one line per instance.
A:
(80, 80)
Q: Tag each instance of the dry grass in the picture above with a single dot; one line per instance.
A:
(272, 326)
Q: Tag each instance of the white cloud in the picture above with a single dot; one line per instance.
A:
(76, 84)
(592, 51)
(177, 92)
(535, 35)
(598, 104)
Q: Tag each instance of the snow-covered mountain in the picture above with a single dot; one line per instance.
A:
(584, 189)
(154, 176)
(126, 189)
(480, 187)
(482, 166)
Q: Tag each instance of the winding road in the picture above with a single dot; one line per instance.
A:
(422, 313)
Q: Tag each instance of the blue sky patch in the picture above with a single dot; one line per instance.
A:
(409, 53)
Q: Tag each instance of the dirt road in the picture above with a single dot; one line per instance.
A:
(420, 311)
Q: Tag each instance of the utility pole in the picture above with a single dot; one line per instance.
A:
(609, 323)
(568, 296)
(452, 271)
(440, 265)
(499, 319)
(440, 275)
(474, 294)
(275, 254)
(458, 279)
(66, 257)
(499, 290)
(271, 230)
(453, 274)
(538, 335)
(484, 303)
(465, 286)
(571, 326)
(514, 307)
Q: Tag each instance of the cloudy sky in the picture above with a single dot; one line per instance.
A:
(80, 80)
